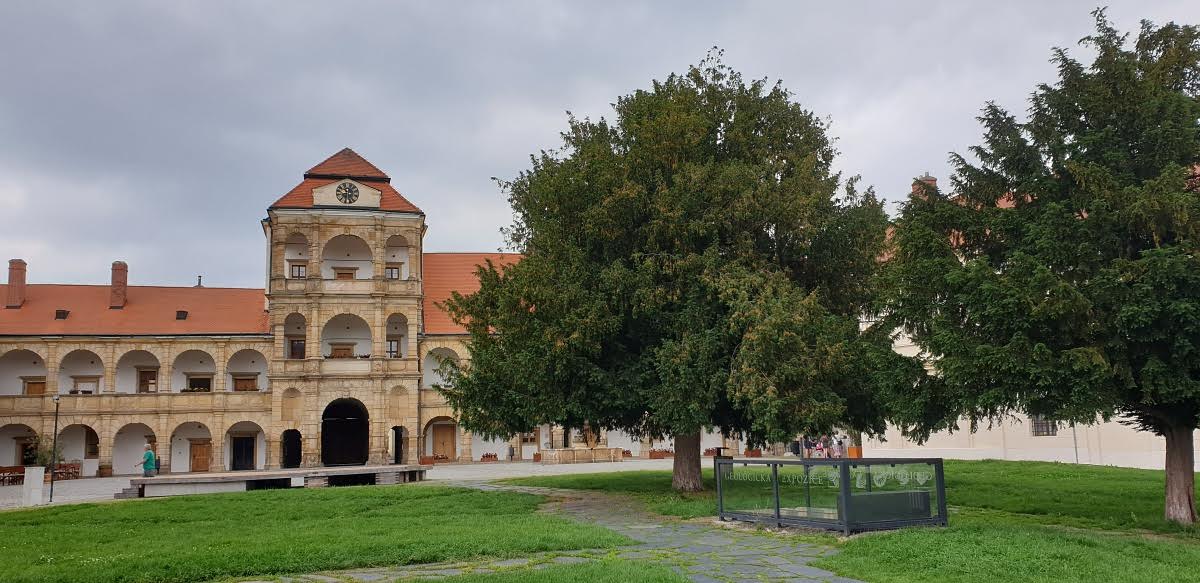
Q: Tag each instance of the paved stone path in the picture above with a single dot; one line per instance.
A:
(704, 551)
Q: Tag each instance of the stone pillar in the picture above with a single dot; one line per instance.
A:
(52, 369)
(273, 451)
(464, 445)
(110, 369)
(105, 432)
(221, 363)
(556, 436)
(412, 433)
(647, 443)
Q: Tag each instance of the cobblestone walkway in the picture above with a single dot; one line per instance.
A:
(703, 551)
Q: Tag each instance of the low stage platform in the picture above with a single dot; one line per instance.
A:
(207, 483)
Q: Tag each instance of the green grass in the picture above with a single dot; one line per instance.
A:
(608, 571)
(1051, 493)
(196, 538)
(1011, 521)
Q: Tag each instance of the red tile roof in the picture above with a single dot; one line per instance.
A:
(342, 165)
(347, 164)
(149, 310)
(447, 272)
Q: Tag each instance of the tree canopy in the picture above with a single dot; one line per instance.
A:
(695, 262)
(1062, 276)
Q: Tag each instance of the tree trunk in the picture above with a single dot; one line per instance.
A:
(685, 475)
(1181, 477)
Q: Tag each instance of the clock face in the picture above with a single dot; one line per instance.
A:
(347, 192)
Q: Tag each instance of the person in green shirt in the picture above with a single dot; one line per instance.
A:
(147, 463)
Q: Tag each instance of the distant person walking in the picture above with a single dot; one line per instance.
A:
(149, 462)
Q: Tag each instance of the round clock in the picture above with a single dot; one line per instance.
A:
(347, 192)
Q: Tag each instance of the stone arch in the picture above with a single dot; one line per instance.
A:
(190, 369)
(346, 334)
(128, 447)
(295, 329)
(396, 331)
(345, 429)
(81, 372)
(20, 370)
(245, 447)
(18, 444)
(291, 405)
(434, 366)
(137, 372)
(441, 438)
(396, 258)
(349, 252)
(247, 371)
(191, 448)
(79, 443)
(295, 256)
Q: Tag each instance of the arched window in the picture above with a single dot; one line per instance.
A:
(22, 372)
(346, 336)
(395, 256)
(247, 371)
(295, 336)
(137, 372)
(397, 336)
(434, 366)
(295, 256)
(81, 373)
(347, 257)
(193, 372)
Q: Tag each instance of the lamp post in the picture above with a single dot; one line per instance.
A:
(54, 449)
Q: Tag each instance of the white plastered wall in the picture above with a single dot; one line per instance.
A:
(127, 369)
(181, 446)
(16, 364)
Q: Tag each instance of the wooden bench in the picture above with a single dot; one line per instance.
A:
(12, 475)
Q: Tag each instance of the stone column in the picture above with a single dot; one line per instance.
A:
(273, 445)
(220, 361)
(412, 432)
(110, 369)
(464, 445)
(52, 369)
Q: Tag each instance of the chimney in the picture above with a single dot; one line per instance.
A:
(16, 283)
(120, 285)
(922, 184)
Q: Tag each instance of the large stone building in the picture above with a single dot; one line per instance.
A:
(332, 363)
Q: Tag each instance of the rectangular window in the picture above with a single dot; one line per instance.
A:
(1043, 427)
(392, 271)
(344, 272)
(295, 348)
(529, 438)
(341, 351)
(245, 383)
(298, 270)
(34, 385)
(199, 384)
(393, 348)
(85, 385)
(147, 380)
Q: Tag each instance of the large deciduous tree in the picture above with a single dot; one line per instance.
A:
(1062, 278)
(693, 263)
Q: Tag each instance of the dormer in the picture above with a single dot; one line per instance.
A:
(346, 180)
(347, 193)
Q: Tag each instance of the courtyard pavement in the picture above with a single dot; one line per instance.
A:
(103, 489)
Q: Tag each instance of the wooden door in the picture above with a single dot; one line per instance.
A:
(443, 441)
(242, 456)
(35, 387)
(201, 452)
(245, 384)
(341, 351)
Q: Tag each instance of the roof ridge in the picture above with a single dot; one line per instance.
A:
(347, 163)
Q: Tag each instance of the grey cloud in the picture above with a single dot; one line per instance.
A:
(159, 132)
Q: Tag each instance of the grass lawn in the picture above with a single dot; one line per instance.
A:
(196, 538)
(608, 571)
(1012, 521)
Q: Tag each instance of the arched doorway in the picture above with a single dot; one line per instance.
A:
(291, 446)
(191, 448)
(129, 444)
(399, 444)
(245, 447)
(344, 429)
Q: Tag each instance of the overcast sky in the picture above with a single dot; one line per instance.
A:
(159, 132)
